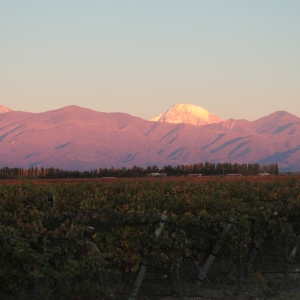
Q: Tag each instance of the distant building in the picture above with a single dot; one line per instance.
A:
(234, 174)
(158, 175)
(263, 174)
(154, 175)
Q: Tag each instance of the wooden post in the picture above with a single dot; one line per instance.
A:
(173, 279)
(87, 237)
(287, 261)
(293, 253)
(240, 271)
(256, 247)
(291, 257)
(88, 233)
(53, 199)
(145, 263)
(178, 284)
(259, 241)
(212, 256)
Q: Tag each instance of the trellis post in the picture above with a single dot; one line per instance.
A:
(212, 256)
(145, 263)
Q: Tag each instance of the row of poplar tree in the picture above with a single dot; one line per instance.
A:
(205, 169)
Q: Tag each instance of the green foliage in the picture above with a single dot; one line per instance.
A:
(42, 245)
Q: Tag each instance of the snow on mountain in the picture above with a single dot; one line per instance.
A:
(4, 109)
(187, 113)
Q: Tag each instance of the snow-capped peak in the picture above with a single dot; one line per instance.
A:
(4, 109)
(187, 113)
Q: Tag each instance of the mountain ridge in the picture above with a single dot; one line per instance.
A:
(79, 138)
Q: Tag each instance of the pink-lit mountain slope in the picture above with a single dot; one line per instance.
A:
(4, 109)
(187, 113)
(282, 128)
(231, 125)
(79, 138)
(278, 123)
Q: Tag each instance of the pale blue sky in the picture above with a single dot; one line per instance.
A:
(238, 59)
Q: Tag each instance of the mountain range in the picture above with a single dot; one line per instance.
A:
(77, 138)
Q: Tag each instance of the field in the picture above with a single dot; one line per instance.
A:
(87, 239)
(161, 179)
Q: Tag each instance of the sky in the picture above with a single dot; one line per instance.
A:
(236, 58)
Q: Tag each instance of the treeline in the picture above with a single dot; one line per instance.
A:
(206, 169)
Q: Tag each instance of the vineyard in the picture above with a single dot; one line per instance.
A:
(129, 239)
